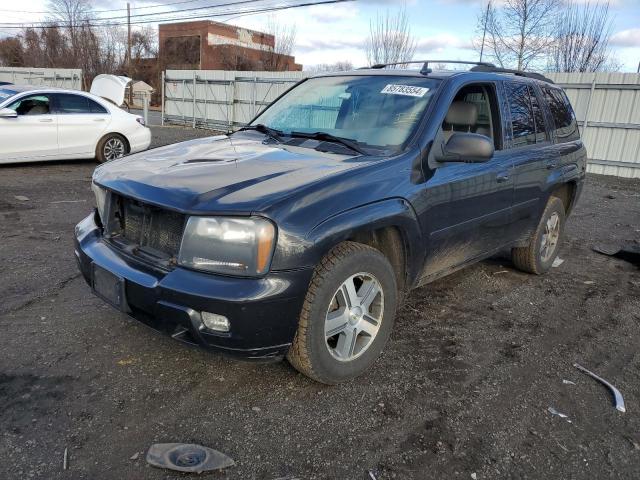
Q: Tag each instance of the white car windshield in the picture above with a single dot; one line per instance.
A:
(375, 111)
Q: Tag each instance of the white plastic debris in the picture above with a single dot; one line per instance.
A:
(557, 262)
(568, 382)
(553, 411)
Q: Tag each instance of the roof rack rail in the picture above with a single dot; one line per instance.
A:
(425, 67)
(519, 73)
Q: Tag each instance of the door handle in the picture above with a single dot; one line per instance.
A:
(98, 119)
(502, 177)
(46, 120)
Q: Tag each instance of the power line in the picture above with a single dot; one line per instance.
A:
(115, 9)
(187, 17)
(166, 12)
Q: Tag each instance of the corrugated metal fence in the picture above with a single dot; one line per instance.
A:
(607, 106)
(223, 100)
(48, 77)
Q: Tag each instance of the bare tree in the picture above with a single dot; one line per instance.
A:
(581, 39)
(284, 40)
(390, 38)
(11, 52)
(341, 66)
(73, 15)
(519, 33)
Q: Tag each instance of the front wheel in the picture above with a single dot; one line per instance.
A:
(347, 316)
(538, 256)
(110, 147)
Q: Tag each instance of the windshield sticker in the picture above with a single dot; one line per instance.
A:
(407, 90)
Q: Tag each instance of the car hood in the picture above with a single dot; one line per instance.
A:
(221, 174)
(110, 87)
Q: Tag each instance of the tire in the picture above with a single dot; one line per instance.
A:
(110, 147)
(534, 258)
(333, 360)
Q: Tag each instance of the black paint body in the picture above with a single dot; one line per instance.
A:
(448, 214)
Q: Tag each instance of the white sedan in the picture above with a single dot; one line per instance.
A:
(45, 123)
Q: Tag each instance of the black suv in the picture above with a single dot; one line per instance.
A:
(300, 234)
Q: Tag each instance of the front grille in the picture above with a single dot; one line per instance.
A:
(151, 227)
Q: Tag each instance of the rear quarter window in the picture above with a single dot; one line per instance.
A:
(566, 127)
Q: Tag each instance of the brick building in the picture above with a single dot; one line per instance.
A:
(207, 45)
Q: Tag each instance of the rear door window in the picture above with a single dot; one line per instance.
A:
(566, 127)
(68, 103)
(522, 117)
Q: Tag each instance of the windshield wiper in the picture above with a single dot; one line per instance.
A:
(351, 144)
(262, 128)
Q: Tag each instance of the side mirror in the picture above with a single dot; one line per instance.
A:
(466, 147)
(8, 113)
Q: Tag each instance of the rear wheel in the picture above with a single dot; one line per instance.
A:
(110, 147)
(538, 256)
(347, 315)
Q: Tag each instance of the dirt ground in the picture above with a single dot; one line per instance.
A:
(462, 390)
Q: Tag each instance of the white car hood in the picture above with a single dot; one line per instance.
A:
(110, 87)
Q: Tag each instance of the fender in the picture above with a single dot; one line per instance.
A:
(393, 212)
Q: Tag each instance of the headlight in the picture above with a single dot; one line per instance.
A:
(101, 201)
(234, 246)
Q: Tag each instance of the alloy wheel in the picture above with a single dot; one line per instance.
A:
(114, 148)
(354, 316)
(550, 237)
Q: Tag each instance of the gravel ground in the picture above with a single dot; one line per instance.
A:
(462, 389)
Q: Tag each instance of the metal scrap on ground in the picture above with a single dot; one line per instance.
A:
(619, 401)
(184, 457)
(629, 253)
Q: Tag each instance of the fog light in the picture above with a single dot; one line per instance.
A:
(216, 322)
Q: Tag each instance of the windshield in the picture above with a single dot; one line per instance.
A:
(375, 111)
(5, 94)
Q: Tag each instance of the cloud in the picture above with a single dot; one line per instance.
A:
(626, 38)
(341, 42)
(333, 13)
(439, 42)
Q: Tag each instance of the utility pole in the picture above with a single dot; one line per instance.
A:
(484, 33)
(129, 72)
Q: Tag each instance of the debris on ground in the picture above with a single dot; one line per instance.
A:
(372, 475)
(21, 198)
(500, 272)
(629, 253)
(588, 282)
(553, 411)
(634, 443)
(619, 401)
(557, 262)
(568, 382)
(67, 201)
(186, 457)
(134, 456)
(65, 460)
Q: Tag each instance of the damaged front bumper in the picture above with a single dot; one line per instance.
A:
(263, 312)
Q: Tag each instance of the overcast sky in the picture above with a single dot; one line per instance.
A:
(326, 34)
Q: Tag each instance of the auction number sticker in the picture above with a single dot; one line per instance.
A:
(407, 90)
